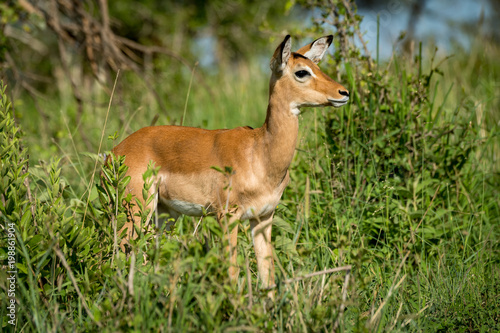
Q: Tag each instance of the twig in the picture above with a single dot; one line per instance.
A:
(397, 317)
(187, 96)
(249, 282)
(344, 299)
(149, 49)
(407, 321)
(100, 144)
(197, 225)
(73, 24)
(131, 274)
(391, 289)
(299, 278)
(358, 32)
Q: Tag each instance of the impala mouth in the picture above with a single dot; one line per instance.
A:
(338, 102)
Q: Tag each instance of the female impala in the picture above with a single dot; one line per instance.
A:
(187, 183)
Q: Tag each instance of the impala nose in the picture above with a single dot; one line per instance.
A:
(344, 93)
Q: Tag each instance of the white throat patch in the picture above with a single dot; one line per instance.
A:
(294, 108)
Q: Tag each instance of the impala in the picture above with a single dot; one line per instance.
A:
(259, 158)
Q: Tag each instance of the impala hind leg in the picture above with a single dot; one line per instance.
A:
(230, 230)
(261, 233)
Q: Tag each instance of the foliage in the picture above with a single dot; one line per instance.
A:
(408, 176)
(402, 184)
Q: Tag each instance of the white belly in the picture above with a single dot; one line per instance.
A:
(184, 207)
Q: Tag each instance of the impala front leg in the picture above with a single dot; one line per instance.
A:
(261, 232)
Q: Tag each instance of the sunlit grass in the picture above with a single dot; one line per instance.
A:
(378, 186)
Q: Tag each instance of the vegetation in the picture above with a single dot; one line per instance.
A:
(402, 184)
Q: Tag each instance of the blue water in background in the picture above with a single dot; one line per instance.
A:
(440, 23)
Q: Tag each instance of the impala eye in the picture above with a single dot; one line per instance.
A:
(302, 74)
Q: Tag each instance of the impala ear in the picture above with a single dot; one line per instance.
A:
(281, 55)
(317, 49)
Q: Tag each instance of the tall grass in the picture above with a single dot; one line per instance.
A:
(402, 184)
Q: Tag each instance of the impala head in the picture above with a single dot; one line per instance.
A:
(299, 74)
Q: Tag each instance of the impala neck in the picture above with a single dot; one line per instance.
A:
(280, 131)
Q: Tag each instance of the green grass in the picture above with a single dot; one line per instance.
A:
(402, 184)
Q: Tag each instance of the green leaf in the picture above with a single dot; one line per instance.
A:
(282, 225)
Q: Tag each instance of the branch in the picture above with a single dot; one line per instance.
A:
(299, 278)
